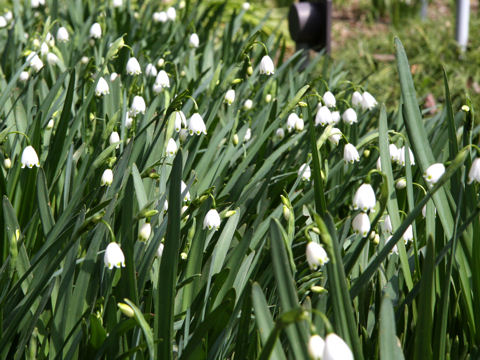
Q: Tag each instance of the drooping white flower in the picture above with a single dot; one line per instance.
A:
(324, 116)
(305, 172)
(107, 178)
(117, 3)
(171, 147)
(299, 124)
(357, 99)
(138, 106)
(160, 17)
(36, 3)
(387, 224)
(171, 13)
(401, 156)
(364, 198)
(329, 99)
(361, 224)
(291, 121)
(316, 346)
(102, 87)
(165, 206)
(268, 98)
(44, 49)
(114, 138)
(247, 105)
(50, 124)
(35, 62)
(248, 135)
(408, 234)
(368, 101)
(7, 163)
(114, 256)
(145, 232)
(8, 16)
(424, 211)
(183, 189)
(3, 22)
(335, 136)
(230, 96)
(52, 59)
(394, 153)
(196, 125)
(161, 81)
(336, 349)
(62, 35)
(212, 220)
(151, 70)
(29, 157)
(113, 76)
(133, 67)
(49, 39)
(350, 154)
(266, 66)
(84, 60)
(180, 120)
(316, 255)
(128, 121)
(434, 173)
(96, 31)
(335, 117)
(24, 76)
(401, 183)
(246, 6)
(160, 250)
(194, 40)
(280, 133)
(349, 116)
(474, 172)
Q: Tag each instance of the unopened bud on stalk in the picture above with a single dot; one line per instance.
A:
(126, 309)
(147, 213)
(302, 104)
(7, 163)
(250, 70)
(236, 81)
(235, 139)
(286, 213)
(318, 289)
(183, 255)
(230, 213)
(268, 98)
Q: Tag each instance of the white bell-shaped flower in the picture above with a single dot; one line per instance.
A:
(434, 173)
(379, 164)
(44, 49)
(335, 136)
(113, 76)
(335, 117)
(52, 59)
(401, 183)
(230, 96)
(248, 135)
(299, 124)
(350, 154)
(35, 62)
(171, 147)
(291, 121)
(324, 116)
(212, 220)
(336, 349)
(165, 206)
(194, 41)
(117, 3)
(180, 120)
(102, 87)
(361, 224)
(24, 76)
(128, 121)
(368, 101)
(387, 224)
(8, 16)
(114, 138)
(316, 346)
(196, 125)
(145, 232)
(49, 39)
(171, 13)
(401, 156)
(162, 79)
(114, 256)
(247, 105)
(246, 6)
(316, 255)
(474, 173)
(364, 198)
(29, 157)
(329, 99)
(138, 106)
(62, 35)
(96, 31)
(107, 178)
(349, 116)
(394, 153)
(133, 67)
(151, 70)
(160, 17)
(50, 124)
(160, 248)
(183, 187)
(280, 133)
(266, 66)
(3, 22)
(357, 99)
(408, 234)
(305, 172)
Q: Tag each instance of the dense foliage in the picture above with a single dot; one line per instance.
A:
(149, 211)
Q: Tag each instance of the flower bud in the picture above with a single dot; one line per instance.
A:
(235, 140)
(286, 213)
(194, 41)
(126, 309)
(107, 178)
(145, 232)
(247, 105)
(268, 98)
(7, 163)
(50, 124)
(230, 213)
(401, 184)
(305, 172)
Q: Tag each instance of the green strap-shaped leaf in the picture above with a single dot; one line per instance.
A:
(43, 203)
(389, 349)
